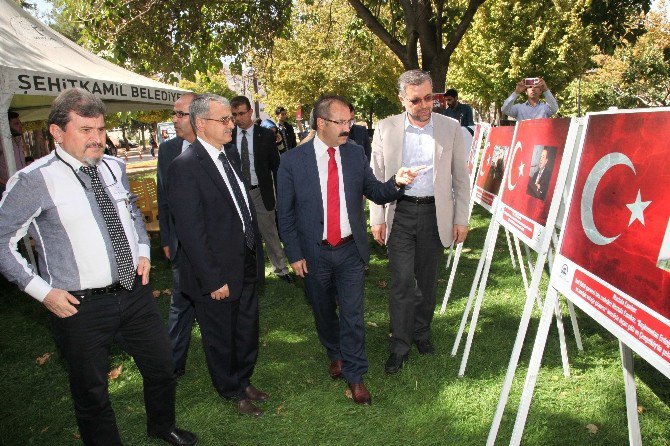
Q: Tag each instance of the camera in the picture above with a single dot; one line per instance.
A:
(531, 81)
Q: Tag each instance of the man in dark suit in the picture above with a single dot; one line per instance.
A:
(217, 231)
(182, 313)
(254, 151)
(360, 135)
(285, 129)
(538, 183)
(322, 224)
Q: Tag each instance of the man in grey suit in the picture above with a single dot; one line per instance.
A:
(182, 312)
(431, 215)
(321, 221)
(254, 150)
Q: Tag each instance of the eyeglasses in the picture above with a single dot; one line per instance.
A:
(179, 114)
(223, 120)
(348, 122)
(428, 98)
(240, 113)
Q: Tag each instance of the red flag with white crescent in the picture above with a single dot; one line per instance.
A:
(536, 154)
(618, 225)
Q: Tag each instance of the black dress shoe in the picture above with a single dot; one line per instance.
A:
(394, 363)
(288, 278)
(425, 347)
(177, 437)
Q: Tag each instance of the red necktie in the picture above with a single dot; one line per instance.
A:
(333, 233)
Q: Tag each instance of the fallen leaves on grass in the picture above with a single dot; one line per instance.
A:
(641, 409)
(44, 431)
(41, 360)
(280, 408)
(167, 291)
(592, 428)
(348, 394)
(114, 373)
(156, 293)
(382, 284)
(372, 324)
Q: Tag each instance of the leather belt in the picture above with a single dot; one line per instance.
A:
(340, 243)
(253, 187)
(113, 288)
(417, 200)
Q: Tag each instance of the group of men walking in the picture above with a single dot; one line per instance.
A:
(222, 186)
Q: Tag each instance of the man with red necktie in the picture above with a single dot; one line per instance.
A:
(322, 224)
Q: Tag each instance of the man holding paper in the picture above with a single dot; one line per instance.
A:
(432, 214)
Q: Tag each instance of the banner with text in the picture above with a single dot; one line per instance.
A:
(492, 166)
(614, 257)
(534, 163)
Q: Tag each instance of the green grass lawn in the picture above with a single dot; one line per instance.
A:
(424, 404)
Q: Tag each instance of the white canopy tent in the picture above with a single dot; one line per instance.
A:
(37, 63)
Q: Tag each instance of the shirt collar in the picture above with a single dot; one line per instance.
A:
(213, 152)
(69, 159)
(320, 147)
(249, 130)
(428, 126)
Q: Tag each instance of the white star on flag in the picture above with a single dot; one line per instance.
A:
(521, 166)
(637, 209)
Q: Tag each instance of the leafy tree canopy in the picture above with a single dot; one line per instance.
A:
(329, 51)
(172, 37)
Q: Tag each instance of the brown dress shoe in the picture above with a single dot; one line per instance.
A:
(360, 394)
(246, 407)
(255, 394)
(335, 369)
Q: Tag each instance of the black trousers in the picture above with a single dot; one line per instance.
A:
(229, 330)
(415, 252)
(340, 272)
(130, 318)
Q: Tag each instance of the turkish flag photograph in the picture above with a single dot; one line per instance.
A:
(618, 224)
(534, 164)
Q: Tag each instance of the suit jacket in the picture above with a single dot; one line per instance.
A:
(209, 228)
(450, 171)
(300, 209)
(266, 161)
(360, 136)
(167, 152)
(290, 135)
(544, 181)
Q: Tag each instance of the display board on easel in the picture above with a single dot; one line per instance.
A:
(614, 251)
(502, 138)
(492, 166)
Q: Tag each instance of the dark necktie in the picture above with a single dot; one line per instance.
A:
(244, 155)
(122, 253)
(333, 231)
(249, 238)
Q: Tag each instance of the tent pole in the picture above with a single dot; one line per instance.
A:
(6, 134)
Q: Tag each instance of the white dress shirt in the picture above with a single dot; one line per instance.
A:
(322, 158)
(250, 143)
(214, 153)
(418, 150)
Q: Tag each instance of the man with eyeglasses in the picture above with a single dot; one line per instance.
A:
(431, 215)
(254, 150)
(182, 312)
(94, 269)
(218, 235)
(285, 128)
(322, 224)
